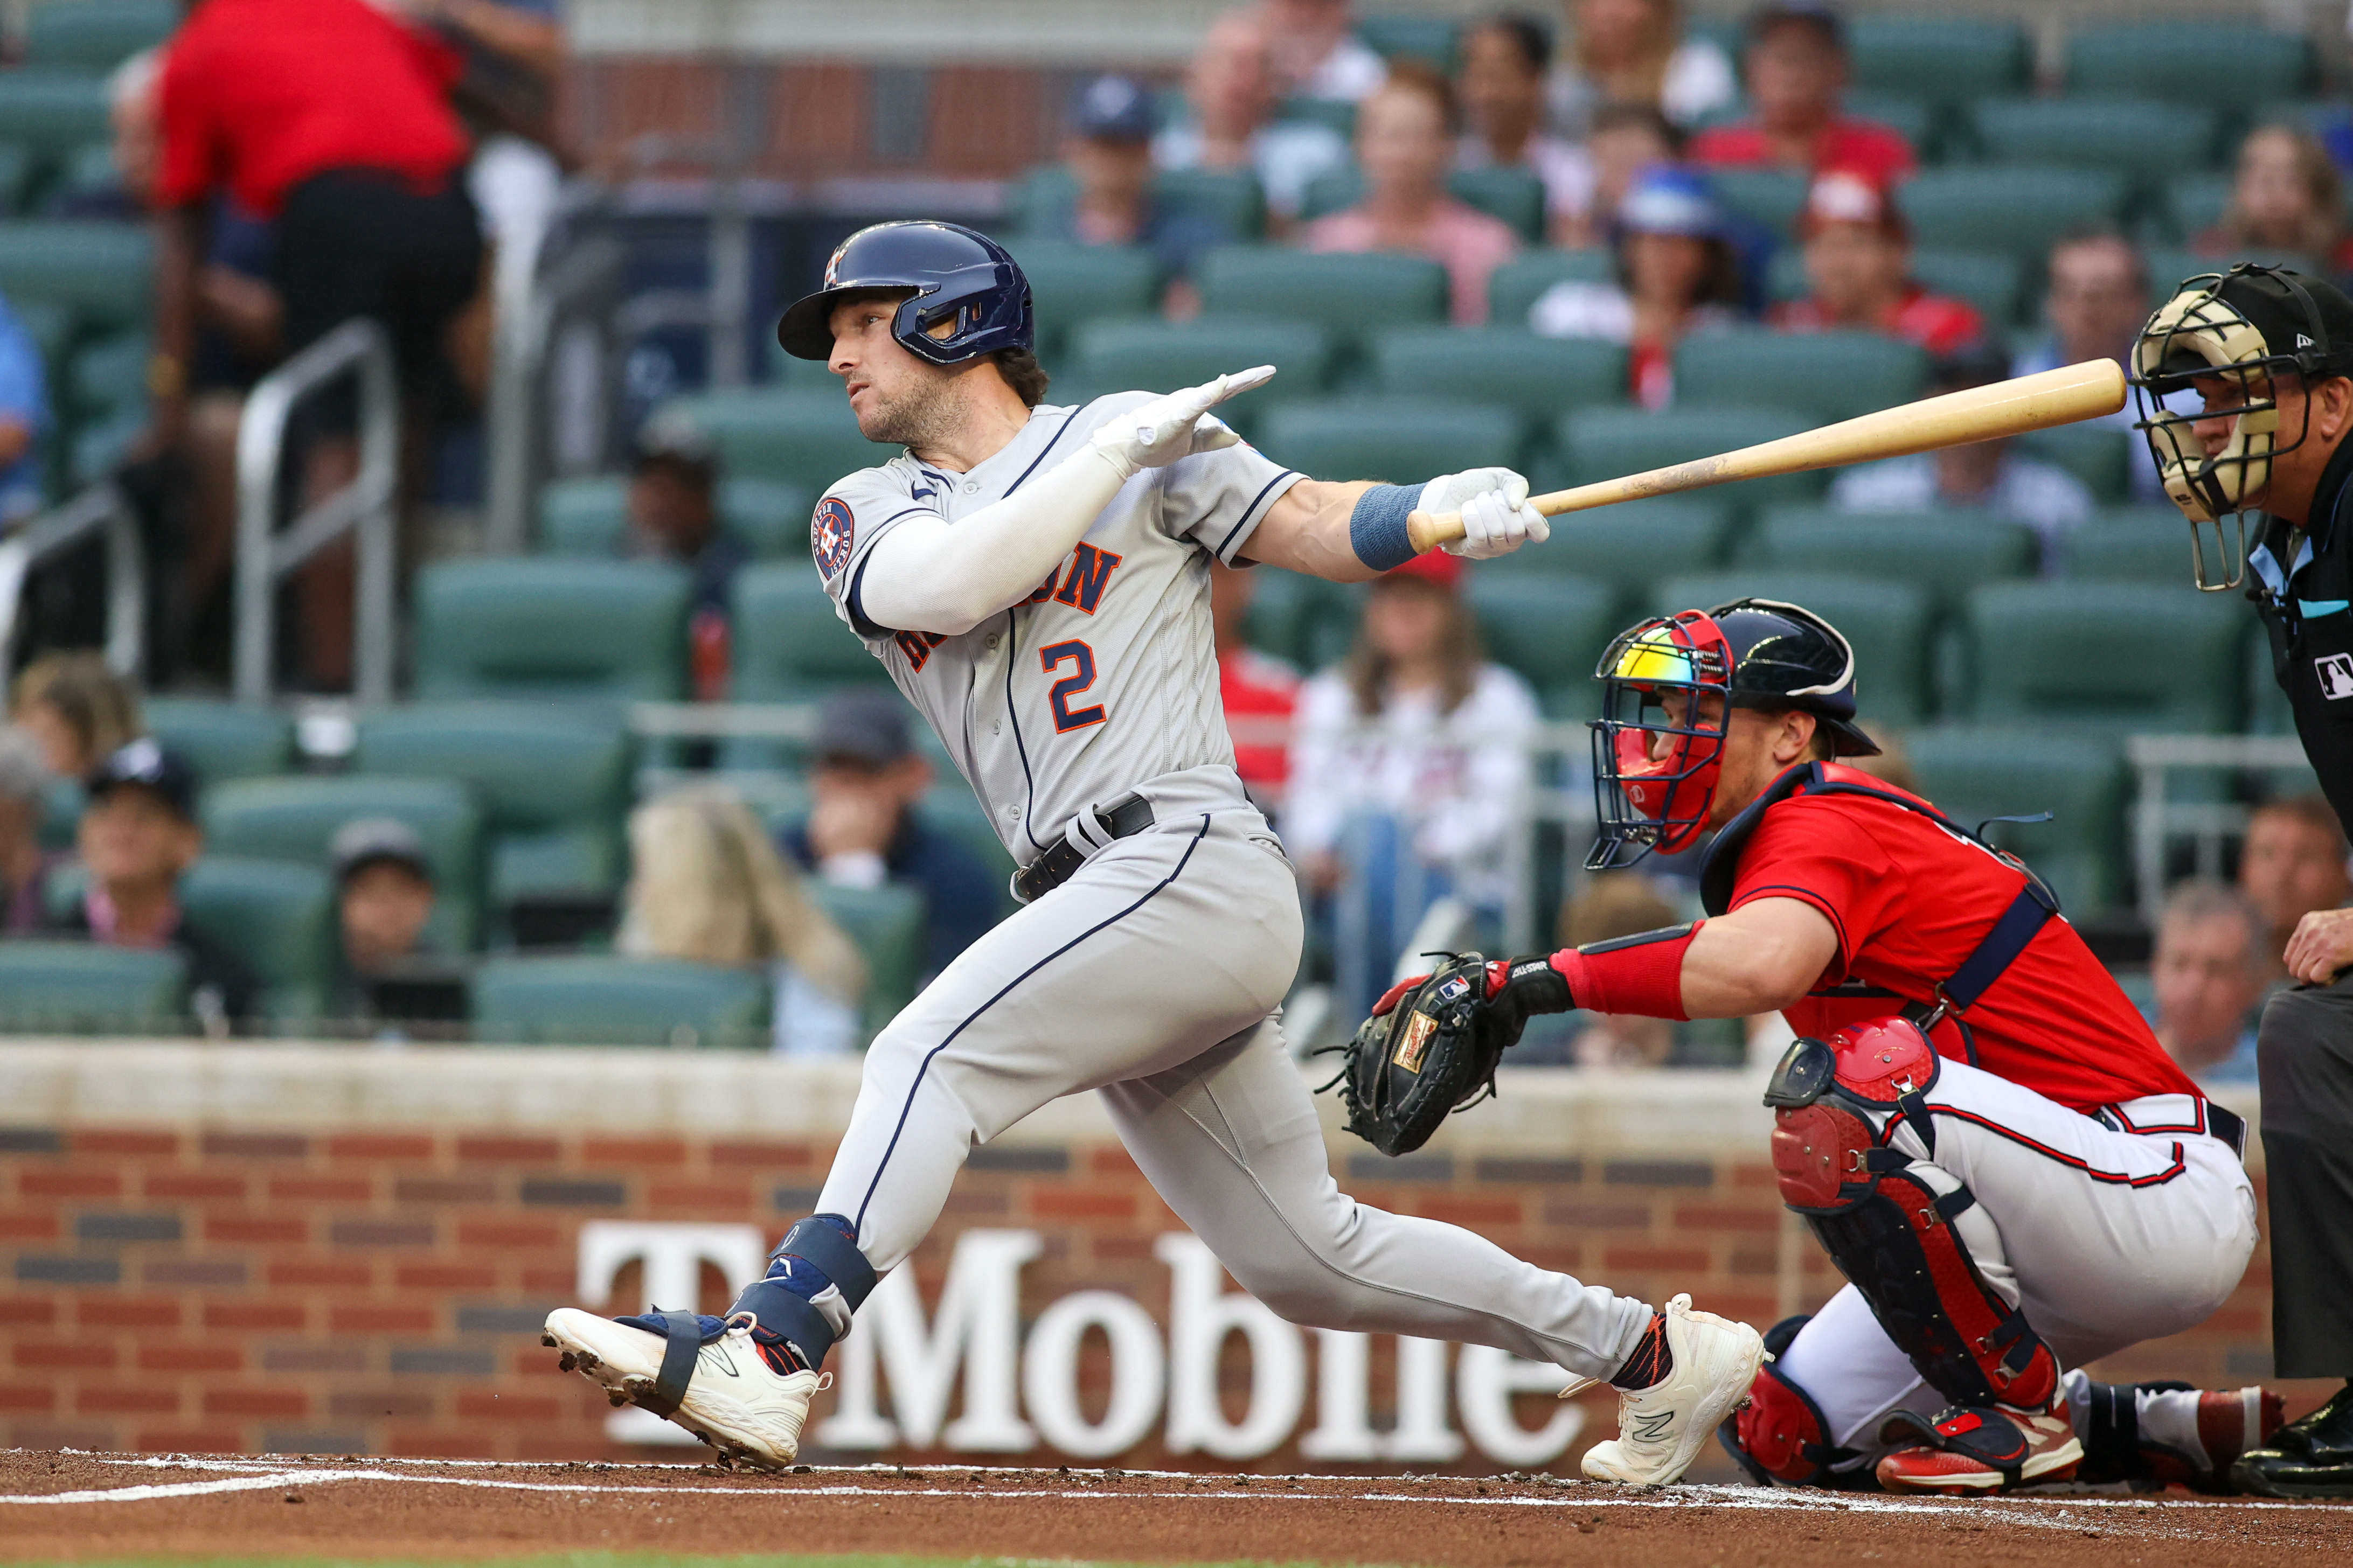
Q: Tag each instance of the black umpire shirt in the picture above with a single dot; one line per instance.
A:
(2302, 583)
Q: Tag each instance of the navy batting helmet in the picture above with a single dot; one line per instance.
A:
(956, 275)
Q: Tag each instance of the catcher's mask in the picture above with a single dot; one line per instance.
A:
(1657, 747)
(2244, 328)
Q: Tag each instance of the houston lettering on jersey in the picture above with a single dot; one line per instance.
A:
(1079, 581)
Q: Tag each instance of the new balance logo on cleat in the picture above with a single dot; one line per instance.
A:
(714, 1357)
(1653, 1429)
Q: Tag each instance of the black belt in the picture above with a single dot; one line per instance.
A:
(2229, 1126)
(1128, 815)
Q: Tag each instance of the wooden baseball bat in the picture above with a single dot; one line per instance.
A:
(2011, 407)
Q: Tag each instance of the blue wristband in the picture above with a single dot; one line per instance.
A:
(1377, 529)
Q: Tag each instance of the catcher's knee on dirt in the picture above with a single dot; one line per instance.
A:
(1781, 1435)
(1887, 1222)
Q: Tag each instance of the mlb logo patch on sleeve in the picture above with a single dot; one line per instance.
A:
(2336, 673)
(829, 534)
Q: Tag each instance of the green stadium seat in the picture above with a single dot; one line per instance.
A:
(2152, 141)
(1915, 119)
(99, 448)
(1990, 279)
(1303, 620)
(16, 170)
(2234, 63)
(2195, 203)
(1334, 115)
(1161, 356)
(1537, 379)
(2141, 543)
(1037, 200)
(1887, 623)
(2100, 455)
(887, 925)
(2117, 658)
(49, 324)
(2172, 266)
(1946, 59)
(50, 112)
(950, 808)
(296, 818)
(1350, 296)
(88, 988)
(110, 374)
(1430, 39)
(1229, 198)
(1830, 375)
(85, 176)
(1514, 196)
(790, 645)
(2018, 208)
(590, 516)
(96, 35)
(102, 272)
(1942, 553)
(806, 438)
(770, 517)
(1550, 630)
(594, 1000)
(1514, 287)
(1973, 773)
(1398, 441)
(1072, 284)
(541, 626)
(279, 920)
(1768, 196)
(1630, 546)
(222, 741)
(1598, 444)
(553, 781)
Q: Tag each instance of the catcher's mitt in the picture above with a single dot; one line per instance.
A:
(1429, 1049)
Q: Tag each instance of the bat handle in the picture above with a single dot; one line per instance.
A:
(1428, 529)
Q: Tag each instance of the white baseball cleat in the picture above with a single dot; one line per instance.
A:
(1661, 1428)
(735, 1400)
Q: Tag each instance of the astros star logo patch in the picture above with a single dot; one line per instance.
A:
(830, 535)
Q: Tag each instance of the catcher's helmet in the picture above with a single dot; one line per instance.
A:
(956, 275)
(2243, 327)
(1750, 653)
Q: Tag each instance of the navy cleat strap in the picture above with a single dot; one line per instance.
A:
(819, 1241)
(778, 1310)
(682, 1342)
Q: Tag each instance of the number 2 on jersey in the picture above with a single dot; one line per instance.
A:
(1051, 657)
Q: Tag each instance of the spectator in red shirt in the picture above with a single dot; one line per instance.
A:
(1858, 264)
(1259, 690)
(331, 119)
(1795, 66)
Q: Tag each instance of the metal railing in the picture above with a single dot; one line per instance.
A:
(366, 506)
(553, 379)
(2159, 820)
(100, 508)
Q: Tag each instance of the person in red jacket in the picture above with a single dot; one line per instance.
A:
(1858, 255)
(1795, 70)
(1977, 1125)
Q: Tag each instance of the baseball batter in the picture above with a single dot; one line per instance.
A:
(1036, 580)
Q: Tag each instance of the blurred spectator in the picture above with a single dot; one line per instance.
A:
(138, 837)
(1795, 65)
(865, 826)
(24, 864)
(674, 517)
(1109, 154)
(2209, 971)
(1229, 94)
(1893, 766)
(2097, 298)
(383, 898)
(1260, 690)
(1677, 275)
(1405, 766)
(508, 89)
(1317, 53)
(1627, 140)
(328, 118)
(1633, 52)
(2287, 196)
(1857, 252)
(1404, 141)
(80, 711)
(2291, 864)
(1986, 476)
(1618, 904)
(24, 419)
(708, 887)
(1502, 89)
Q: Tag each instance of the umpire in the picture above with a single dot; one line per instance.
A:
(2269, 354)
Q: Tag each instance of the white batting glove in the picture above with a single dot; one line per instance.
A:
(1496, 516)
(1176, 425)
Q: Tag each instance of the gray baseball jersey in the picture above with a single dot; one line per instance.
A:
(1105, 678)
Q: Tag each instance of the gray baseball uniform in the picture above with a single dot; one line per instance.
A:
(1154, 973)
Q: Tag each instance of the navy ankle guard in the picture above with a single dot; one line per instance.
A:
(815, 1245)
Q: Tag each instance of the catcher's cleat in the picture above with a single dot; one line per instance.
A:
(1661, 1428)
(720, 1387)
(1978, 1448)
(2311, 1456)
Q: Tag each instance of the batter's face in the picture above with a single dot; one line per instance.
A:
(897, 399)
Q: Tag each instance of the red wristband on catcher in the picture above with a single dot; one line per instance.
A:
(1642, 974)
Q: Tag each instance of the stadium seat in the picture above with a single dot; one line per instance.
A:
(1161, 356)
(2100, 455)
(102, 272)
(551, 627)
(1946, 59)
(1887, 623)
(951, 809)
(2151, 141)
(108, 374)
(1973, 773)
(770, 517)
(1514, 287)
(88, 988)
(222, 741)
(887, 925)
(1630, 546)
(86, 178)
(1347, 295)
(1767, 196)
(1229, 198)
(2020, 208)
(2117, 656)
(789, 646)
(2172, 266)
(1336, 115)
(1990, 279)
(1538, 379)
(50, 112)
(1830, 375)
(1430, 39)
(553, 780)
(1514, 196)
(1302, 620)
(17, 171)
(1608, 443)
(1395, 440)
(96, 35)
(1915, 119)
(2196, 204)
(2236, 63)
(1942, 553)
(594, 1000)
(589, 516)
(1551, 630)
(2141, 543)
(1071, 283)
(806, 438)
(279, 920)
(296, 818)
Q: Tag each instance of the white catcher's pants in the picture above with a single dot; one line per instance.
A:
(1151, 976)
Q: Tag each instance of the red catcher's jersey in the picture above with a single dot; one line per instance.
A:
(1910, 903)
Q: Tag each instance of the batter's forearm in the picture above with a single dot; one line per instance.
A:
(1308, 530)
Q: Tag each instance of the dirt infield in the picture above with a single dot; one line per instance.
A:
(74, 1505)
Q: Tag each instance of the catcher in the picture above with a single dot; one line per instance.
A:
(1978, 1126)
